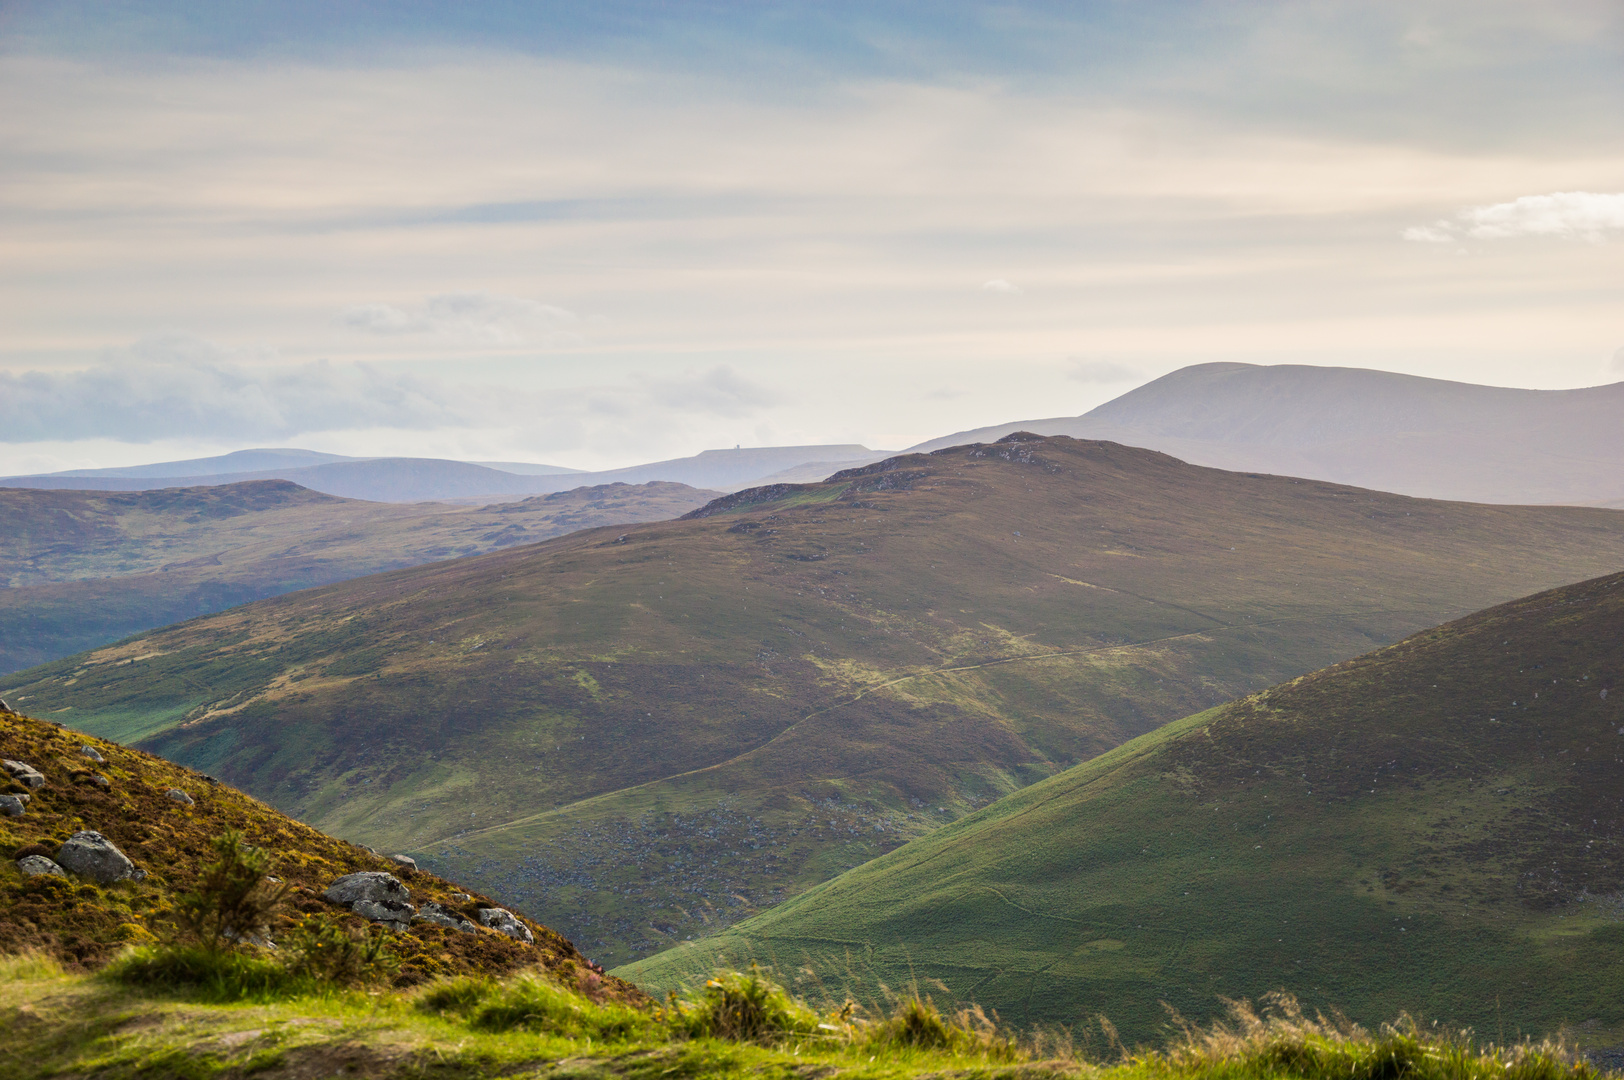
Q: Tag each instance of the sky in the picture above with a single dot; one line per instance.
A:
(594, 234)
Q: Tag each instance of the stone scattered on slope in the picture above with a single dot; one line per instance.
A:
(92, 753)
(503, 921)
(404, 860)
(23, 773)
(440, 915)
(12, 806)
(33, 865)
(374, 895)
(177, 795)
(90, 854)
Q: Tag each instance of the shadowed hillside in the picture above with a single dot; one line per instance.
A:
(1376, 429)
(642, 733)
(1437, 826)
(83, 568)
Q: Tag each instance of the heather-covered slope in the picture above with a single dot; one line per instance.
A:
(1437, 826)
(644, 733)
(83, 568)
(81, 924)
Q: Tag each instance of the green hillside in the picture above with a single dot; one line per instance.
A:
(643, 734)
(1437, 826)
(84, 568)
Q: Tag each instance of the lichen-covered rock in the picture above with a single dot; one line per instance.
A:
(396, 913)
(440, 915)
(367, 885)
(404, 860)
(92, 753)
(90, 854)
(33, 865)
(12, 806)
(23, 773)
(177, 795)
(374, 895)
(504, 921)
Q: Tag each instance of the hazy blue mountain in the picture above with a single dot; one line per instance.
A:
(441, 480)
(1373, 429)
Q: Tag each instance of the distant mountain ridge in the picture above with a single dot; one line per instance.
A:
(1429, 438)
(403, 479)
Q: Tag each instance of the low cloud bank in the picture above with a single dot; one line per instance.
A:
(184, 387)
(473, 317)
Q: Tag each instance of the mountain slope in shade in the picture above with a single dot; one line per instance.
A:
(641, 733)
(1375, 429)
(85, 568)
(1436, 827)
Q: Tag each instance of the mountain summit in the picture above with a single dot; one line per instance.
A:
(1375, 429)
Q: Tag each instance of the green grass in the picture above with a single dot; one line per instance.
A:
(53, 1024)
(1390, 834)
(646, 739)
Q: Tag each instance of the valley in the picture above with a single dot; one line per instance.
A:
(644, 734)
(1435, 827)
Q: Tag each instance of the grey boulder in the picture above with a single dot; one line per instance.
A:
(90, 854)
(12, 806)
(404, 860)
(397, 914)
(440, 915)
(92, 753)
(503, 921)
(23, 773)
(373, 895)
(33, 865)
(177, 795)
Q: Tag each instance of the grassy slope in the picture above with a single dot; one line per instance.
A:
(81, 925)
(643, 734)
(82, 568)
(1436, 826)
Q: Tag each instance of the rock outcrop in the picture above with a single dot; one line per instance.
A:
(440, 915)
(504, 921)
(23, 773)
(177, 795)
(374, 895)
(33, 865)
(91, 855)
(92, 753)
(12, 806)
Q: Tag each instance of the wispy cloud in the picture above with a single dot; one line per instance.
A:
(999, 285)
(1568, 215)
(470, 317)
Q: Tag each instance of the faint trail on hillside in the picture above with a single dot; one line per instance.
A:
(860, 695)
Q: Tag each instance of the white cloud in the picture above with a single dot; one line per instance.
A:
(474, 317)
(999, 285)
(1102, 371)
(1618, 360)
(1570, 215)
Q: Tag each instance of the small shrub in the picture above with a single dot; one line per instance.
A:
(233, 903)
(746, 1007)
(321, 949)
(535, 1003)
(460, 996)
(211, 974)
(916, 1024)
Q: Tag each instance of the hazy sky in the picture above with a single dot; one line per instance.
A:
(598, 233)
